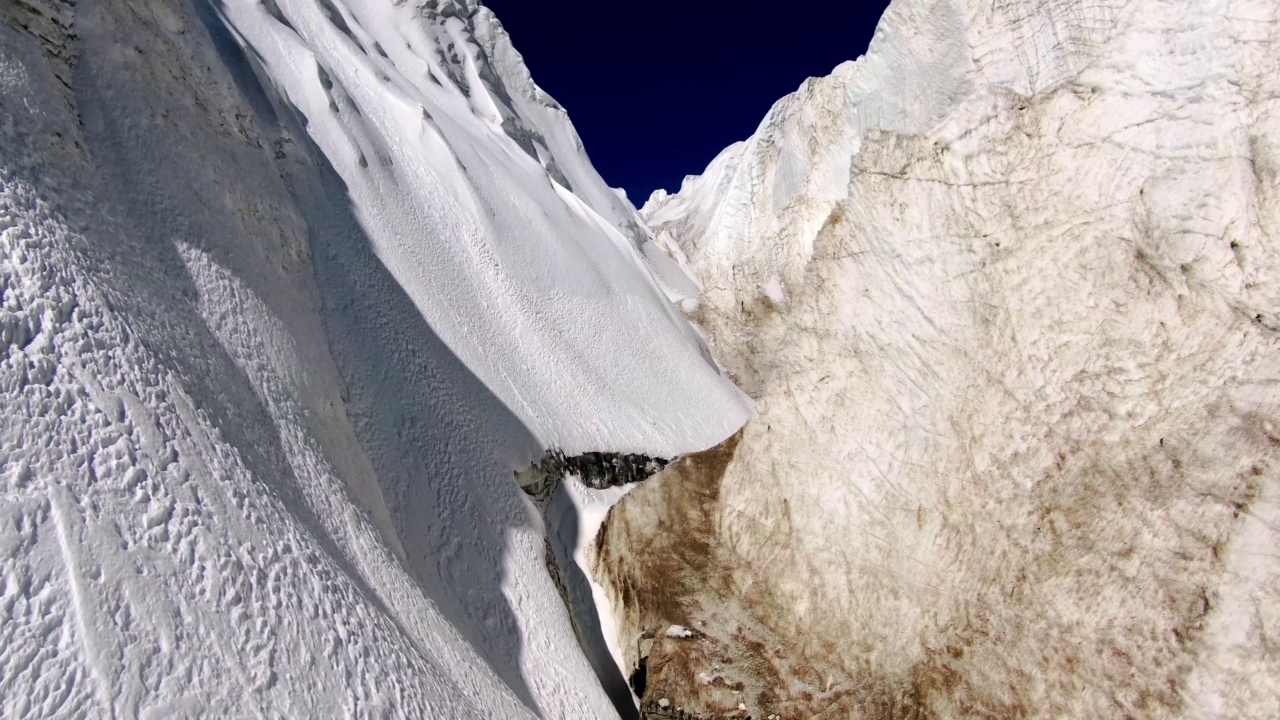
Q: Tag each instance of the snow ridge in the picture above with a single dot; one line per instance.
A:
(428, 135)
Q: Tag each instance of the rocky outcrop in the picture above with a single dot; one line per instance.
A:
(50, 22)
(596, 470)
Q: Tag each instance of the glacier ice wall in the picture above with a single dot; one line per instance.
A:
(1006, 291)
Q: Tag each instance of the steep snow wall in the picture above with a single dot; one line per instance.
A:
(289, 289)
(1007, 291)
(474, 192)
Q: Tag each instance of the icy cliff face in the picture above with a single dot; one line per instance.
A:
(290, 287)
(1008, 292)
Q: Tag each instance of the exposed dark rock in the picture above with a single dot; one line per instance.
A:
(602, 470)
(51, 22)
(640, 678)
(594, 469)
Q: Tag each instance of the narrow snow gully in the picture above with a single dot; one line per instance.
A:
(574, 495)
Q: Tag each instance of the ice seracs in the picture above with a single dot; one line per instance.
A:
(1016, 450)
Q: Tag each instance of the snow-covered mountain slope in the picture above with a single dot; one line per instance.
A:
(289, 289)
(1007, 289)
(476, 195)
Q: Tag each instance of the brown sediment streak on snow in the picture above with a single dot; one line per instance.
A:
(656, 557)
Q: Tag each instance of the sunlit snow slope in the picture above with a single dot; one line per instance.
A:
(1008, 292)
(289, 289)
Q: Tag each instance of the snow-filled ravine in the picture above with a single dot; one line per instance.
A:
(290, 289)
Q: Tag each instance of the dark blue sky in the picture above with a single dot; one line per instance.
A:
(656, 89)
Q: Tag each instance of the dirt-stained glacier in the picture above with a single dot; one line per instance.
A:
(1007, 291)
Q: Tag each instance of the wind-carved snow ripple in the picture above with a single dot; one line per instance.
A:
(111, 510)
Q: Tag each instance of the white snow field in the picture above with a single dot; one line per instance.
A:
(1007, 290)
(290, 287)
